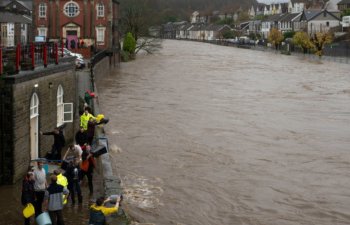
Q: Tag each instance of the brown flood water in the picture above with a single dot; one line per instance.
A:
(211, 135)
(208, 135)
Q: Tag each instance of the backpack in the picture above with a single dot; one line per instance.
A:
(97, 217)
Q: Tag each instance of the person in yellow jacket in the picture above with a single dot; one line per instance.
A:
(98, 211)
(84, 119)
(61, 180)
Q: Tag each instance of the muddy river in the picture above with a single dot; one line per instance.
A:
(211, 135)
(207, 135)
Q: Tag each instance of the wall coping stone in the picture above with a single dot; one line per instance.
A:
(67, 64)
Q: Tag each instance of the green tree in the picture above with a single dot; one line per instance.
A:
(275, 37)
(346, 13)
(288, 34)
(228, 21)
(303, 40)
(228, 34)
(129, 44)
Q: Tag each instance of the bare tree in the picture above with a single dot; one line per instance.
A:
(149, 45)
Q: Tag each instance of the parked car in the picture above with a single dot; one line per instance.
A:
(79, 63)
(66, 52)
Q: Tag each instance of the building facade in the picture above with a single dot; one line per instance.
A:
(15, 22)
(30, 102)
(79, 22)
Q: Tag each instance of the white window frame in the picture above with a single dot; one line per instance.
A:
(100, 34)
(71, 4)
(41, 31)
(34, 106)
(60, 94)
(68, 112)
(42, 10)
(100, 8)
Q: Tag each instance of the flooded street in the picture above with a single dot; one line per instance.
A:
(204, 134)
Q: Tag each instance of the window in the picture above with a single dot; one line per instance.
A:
(67, 112)
(100, 34)
(59, 106)
(71, 9)
(34, 106)
(64, 110)
(327, 24)
(42, 31)
(100, 10)
(42, 10)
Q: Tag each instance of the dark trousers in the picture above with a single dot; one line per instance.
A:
(39, 195)
(27, 221)
(90, 140)
(74, 187)
(89, 177)
(56, 151)
(56, 217)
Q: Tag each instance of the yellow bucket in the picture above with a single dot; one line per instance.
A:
(28, 211)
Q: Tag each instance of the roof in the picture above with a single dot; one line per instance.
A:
(8, 17)
(344, 2)
(289, 17)
(276, 17)
(4, 2)
(27, 4)
(311, 14)
(215, 27)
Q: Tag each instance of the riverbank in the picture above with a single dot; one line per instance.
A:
(308, 56)
(110, 183)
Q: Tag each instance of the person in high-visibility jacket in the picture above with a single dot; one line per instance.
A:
(61, 180)
(98, 211)
(84, 119)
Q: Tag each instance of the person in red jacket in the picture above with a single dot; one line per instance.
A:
(87, 167)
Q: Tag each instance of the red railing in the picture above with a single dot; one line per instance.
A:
(28, 57)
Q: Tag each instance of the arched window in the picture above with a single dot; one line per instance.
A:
(100, 10)
(59, 106)
(71, 9)
(34, 106)
(42, 10)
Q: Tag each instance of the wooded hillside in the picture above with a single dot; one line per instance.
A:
(161, 11)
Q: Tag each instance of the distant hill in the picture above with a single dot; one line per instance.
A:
(161, 11)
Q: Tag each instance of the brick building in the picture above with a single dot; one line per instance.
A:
(95, 22)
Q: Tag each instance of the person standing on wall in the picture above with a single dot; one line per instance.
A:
(58, 143)
(40, 185)
(28, 193)
(55, 195)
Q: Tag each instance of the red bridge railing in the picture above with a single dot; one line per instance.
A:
(28, 57)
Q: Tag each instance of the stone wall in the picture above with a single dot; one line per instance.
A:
(17, 94)
(102, 69)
